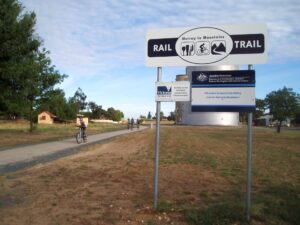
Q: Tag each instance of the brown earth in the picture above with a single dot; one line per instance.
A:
(108, 184)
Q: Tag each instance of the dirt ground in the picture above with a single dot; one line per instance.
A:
(111, 183)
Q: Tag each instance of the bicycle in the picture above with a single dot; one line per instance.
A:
(80, 137)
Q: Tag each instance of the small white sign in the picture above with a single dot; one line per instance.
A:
(227, 44)
(178, 91)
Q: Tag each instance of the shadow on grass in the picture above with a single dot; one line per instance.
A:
(221, 214)
(278, 205)
(274, 205)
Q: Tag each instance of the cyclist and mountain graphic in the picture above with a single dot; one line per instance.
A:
(202, 48)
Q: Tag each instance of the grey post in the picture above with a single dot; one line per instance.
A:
(159, 75)
(249, 163)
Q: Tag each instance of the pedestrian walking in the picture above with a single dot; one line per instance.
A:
(132, 123)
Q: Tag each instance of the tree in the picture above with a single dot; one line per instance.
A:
(96, 110)
(56, 103)
(297, 118)
(259, 109)
(39, 83)
(71, 109)
(149, 116)
(282, 104)
(79, 99)
(161, 116)
(171, 116)
(142, 118)
(26, 73)
(18, 46)
(115, 115)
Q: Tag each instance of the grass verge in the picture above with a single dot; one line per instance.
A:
(13, 133)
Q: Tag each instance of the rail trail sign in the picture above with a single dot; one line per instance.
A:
(227, 44)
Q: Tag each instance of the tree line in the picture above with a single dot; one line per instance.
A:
(162, 116)
(28, 79)
(92, 109)
(282, 104)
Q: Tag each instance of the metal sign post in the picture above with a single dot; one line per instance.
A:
(249, 163)
(157, 140)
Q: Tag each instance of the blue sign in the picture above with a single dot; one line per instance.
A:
(223, 91)
(163, 90)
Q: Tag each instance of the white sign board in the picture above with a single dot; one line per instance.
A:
(223, 91)
(178, 91)
(228, 44)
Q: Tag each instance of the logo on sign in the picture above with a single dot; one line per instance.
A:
(218, 47)
(196, 46)
(164, 91)
(202, 77)
(203, 48)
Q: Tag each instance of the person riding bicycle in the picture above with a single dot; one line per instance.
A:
(83, 126)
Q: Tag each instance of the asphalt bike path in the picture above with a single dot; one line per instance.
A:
(18, 158)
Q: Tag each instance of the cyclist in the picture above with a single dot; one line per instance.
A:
(83, 126)
(128, 124)
(132, 123)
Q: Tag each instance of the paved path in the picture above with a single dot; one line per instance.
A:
(21, 157)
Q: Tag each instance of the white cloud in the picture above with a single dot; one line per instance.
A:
(97, 34)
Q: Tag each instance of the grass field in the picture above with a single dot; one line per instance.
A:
(17, 133)
(202, 180)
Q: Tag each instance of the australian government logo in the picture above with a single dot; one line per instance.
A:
(202, 77)
(195, 46)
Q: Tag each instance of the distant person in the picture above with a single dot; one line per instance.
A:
(128, 123)
(138, 124)
(132, 123)
(83, 126)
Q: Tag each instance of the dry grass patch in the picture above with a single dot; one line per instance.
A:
(13, 133)
(201, 181)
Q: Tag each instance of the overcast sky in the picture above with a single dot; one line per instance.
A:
(101, 45)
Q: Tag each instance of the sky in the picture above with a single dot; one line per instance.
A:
(101, 44)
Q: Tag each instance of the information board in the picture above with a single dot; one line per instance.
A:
(223, 91)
